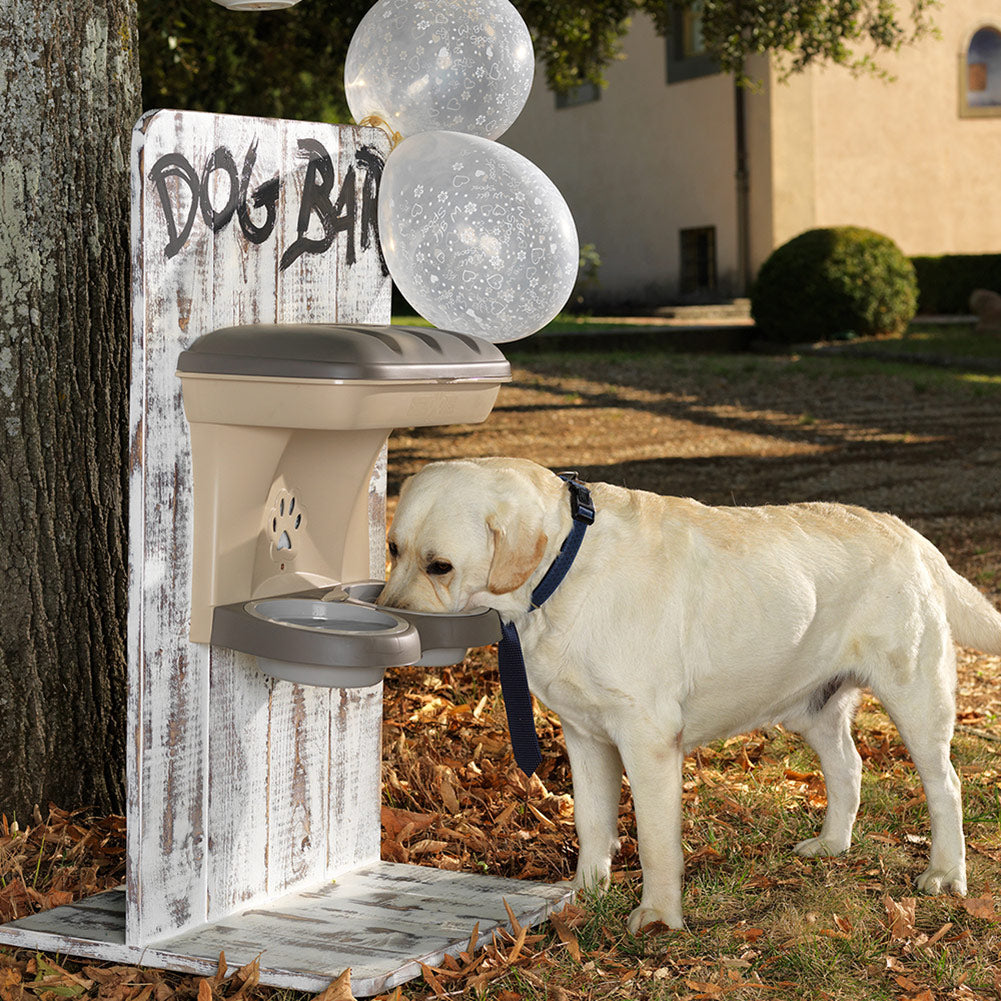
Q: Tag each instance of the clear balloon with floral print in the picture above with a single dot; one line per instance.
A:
(476, 237)
(422, 65)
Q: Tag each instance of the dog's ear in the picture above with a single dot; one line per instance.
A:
(518, 548)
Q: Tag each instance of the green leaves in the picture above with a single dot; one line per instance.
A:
(289, 64)
(847, 33)
(279, 64)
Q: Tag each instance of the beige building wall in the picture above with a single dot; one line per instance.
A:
(894, 156)
(761, 165)
(639, 164)
(825, 148)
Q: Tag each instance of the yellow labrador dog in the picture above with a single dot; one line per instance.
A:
(679, 624)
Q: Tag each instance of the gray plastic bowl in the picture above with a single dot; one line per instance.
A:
(445, 636)
(312, 642)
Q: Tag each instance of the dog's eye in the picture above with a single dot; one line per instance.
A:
(439, 567)
(393, 551)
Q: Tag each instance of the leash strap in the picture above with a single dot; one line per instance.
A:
(510, 659)
(517, 700)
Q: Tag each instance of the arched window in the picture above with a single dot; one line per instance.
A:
(980, 73)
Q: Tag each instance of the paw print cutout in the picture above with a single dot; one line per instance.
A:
(286, 521)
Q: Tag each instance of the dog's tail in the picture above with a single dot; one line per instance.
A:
(974, 621)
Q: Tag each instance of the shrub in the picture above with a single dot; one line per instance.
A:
(834, 283)
(945, 282)
(588, 264)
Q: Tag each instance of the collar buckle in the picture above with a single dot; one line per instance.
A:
(581, 505)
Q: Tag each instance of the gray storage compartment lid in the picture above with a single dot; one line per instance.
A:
(345, 352)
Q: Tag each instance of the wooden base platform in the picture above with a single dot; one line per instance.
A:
(382, 920)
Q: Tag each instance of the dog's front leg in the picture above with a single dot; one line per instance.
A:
(596, 769)
(653, 764)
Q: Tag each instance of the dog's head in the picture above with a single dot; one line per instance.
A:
(469, 533)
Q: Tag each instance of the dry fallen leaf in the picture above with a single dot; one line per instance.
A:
(249, 976)
(432, 981)
(519, 943)
(567, 937)
(704, 990)
(900, 917)
(980, 907)
(339, 989)
(940, 933)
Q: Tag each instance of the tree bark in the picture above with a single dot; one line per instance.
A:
(69, 83)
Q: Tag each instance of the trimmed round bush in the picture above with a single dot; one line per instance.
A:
(831, 284)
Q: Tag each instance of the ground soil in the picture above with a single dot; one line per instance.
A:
(747, 429)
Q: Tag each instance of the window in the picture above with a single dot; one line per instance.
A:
(686, 51)
(980, 74)
(692, 42)
(698, 260)
(583, 93)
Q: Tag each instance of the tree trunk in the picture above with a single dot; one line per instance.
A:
(69, 82)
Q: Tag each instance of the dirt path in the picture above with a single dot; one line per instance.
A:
(754, 430)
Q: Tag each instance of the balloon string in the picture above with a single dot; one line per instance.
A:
(374, 121)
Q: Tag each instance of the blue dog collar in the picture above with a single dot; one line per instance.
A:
(511, 661)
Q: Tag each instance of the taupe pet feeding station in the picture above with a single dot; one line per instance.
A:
(256, 519)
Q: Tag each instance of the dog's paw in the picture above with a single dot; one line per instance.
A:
(646, 915)
(935, 881)
(819, 848)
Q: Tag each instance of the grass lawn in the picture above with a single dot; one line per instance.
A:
(564, 323)
(943, 340)
(952, 342)
(762, 923)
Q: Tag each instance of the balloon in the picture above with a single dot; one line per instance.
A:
(476, 237)
(422, 65)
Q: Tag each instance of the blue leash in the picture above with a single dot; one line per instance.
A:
(511, 661)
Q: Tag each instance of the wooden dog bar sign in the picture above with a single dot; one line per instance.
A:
(253, 810)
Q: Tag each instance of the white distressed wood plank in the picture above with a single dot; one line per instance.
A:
(298, 717)
(104, 922)
(377, 517)
(244, 281)
(238, 783)
(361, 296)
(245, 276)
(100, 917)
(353, 825)
(299, 735)
(172, 306)
(363, 275)
(298, 786)
(135, 641)
(369, 301)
